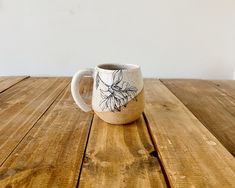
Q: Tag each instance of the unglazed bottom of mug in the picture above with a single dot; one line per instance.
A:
(128, 114)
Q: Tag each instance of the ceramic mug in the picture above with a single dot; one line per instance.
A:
(118, 95)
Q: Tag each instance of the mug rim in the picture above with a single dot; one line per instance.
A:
(130, 67)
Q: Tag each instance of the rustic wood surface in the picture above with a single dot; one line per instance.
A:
(7, 81)
(191, 155)
(227, 86)
(46, 141)
(21, 106)
(212, 104)
(120, 156)
(51, 153)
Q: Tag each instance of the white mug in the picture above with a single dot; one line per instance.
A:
(118, 94)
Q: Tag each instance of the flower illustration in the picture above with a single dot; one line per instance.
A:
(117, 94)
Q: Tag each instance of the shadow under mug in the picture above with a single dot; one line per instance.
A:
(118, 94)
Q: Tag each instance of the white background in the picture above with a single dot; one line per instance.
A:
(168, 38)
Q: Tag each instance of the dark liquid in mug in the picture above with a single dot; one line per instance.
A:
(117, 66)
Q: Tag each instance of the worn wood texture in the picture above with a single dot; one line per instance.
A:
(227, 86)
(51, 153)
(7, 81)
(190, 154)
(120, 156)
(22, 105)
(212, 106)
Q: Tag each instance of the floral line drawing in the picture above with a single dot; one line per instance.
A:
(117, 94)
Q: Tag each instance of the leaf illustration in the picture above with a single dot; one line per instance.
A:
(117, 77)
(97, 80)
(117, 94)
(125, 85)
(102, 94)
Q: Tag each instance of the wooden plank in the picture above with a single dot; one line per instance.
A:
(51, 154)
(22, 105)
(120, 156)
(213, 107)
(227, 86)
(190, 154)
(8, 81)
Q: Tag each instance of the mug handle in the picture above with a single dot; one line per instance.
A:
(74, 89)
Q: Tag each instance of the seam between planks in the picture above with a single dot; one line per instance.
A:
(59, 94)
(14, 84)
(166, 178)
(197, 117)
(84, 153)
(164, 170)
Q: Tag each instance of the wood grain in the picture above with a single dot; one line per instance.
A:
(51, 153)
(22, 105)
(190, 154)
(8, 81)
(227, 86)
(120, 156)
(212, 106)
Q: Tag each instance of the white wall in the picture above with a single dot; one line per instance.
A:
(168, 38)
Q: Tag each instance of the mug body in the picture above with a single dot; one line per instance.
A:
(118, 94)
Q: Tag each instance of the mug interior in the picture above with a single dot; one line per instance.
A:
(118, 66)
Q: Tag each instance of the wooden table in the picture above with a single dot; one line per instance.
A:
(185, 138)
